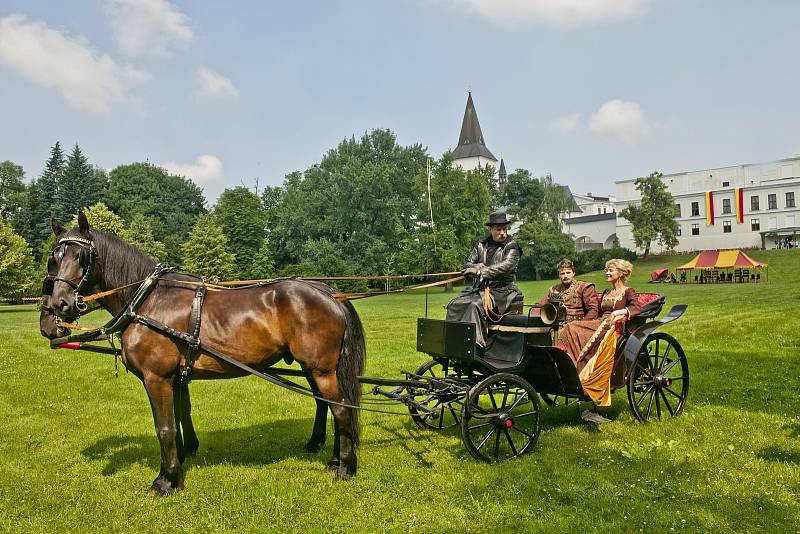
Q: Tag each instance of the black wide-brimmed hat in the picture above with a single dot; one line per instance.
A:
(498, 218)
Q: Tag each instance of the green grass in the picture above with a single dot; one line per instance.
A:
(78, 449)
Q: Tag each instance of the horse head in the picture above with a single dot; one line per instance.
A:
(49, 323)
(69, 270)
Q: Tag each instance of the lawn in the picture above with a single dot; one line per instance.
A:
(78, 449)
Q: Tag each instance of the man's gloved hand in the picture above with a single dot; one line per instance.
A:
(619, 314)
(476, 270)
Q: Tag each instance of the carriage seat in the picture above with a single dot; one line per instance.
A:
(517, 304)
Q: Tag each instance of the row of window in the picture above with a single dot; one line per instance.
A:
(755, 225)
(772, 204)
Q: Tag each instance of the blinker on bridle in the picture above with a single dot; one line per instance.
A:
(85, 259)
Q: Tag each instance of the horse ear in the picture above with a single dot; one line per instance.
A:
(83, 224)
(57, 228)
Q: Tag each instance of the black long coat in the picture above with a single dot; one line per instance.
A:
(499, 273)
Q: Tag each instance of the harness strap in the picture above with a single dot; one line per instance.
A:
(488, 308)
(194, 332)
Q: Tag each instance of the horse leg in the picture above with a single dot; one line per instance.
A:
(160, 393)
(333, 463)
(344, 420)
(176, 405)
(320, 420)
(190, 441)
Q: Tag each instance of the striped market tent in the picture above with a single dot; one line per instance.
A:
(725, 266)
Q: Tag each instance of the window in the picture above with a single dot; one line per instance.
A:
(754, 203)
(726, 205)
(755, 225)
(726, 184)
(790, 199)
(695, 210)
(679, 231)
(772, 223)
(677, 210)
(726, 227)
(772, 202)
(789, 221)
(695, 229)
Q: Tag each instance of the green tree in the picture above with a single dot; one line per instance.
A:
(46, 191)
(361, 188)
(206, 252)
(171, 203)
(240, 213)
(79, 185)
(103, 219)
(140, 234)
(12, 189)
(16, 264)
(529, 198)
(544, 245)
(460, 202)
(263, 265)
(654, 218)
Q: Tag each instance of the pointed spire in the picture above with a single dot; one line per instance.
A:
(502, 176)
(470, 141)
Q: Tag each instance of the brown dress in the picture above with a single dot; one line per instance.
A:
(576, 334)
(579, 298)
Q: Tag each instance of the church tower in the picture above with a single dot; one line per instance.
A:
(502, 175)
(471, 151)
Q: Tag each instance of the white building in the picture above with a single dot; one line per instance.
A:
(591, 220)
(753, 206)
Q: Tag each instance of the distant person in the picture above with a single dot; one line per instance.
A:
(577, 296)
(494, 261)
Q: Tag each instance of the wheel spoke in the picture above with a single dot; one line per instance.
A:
(664, 357)
(526, 414)
(497, 445)
(650, 404)
(658, 404)
(522, 431)
(672, 364)
(491, 398)
(510, 442)
(644, 395)
(475, 427)
(486, 438)
(518, 401)
(441, 417)
(673, 393)
(505, 398)
(666, 403)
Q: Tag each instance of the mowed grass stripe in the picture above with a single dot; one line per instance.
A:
(78, 449)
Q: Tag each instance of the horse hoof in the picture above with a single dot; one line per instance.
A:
(343, 473)
(164, 488)
(313, 446)
(332, 465)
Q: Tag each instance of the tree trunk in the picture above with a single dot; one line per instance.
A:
(646, 251)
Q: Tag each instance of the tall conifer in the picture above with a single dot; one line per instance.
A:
(78, 189)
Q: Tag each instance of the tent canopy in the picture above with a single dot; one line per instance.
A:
(723, 259)
(659, 274)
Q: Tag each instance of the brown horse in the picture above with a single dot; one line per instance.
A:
(258, 326)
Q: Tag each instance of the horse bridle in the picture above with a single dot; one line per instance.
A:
(86, 258)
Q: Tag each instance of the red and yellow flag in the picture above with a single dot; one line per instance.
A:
(709, 208)
(740, 205)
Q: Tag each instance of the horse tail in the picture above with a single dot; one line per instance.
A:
(351, 363)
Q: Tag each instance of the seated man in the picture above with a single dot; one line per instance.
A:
(494, 261)
(577, 296)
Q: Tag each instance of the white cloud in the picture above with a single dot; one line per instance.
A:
(212, 84)
(49, 58)
(206, 168)
(620, 119)
(567, 123)
(147, 27)
(565, 14)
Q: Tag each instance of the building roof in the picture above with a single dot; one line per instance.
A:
(502, 174)
(470, 141)
(591, 218)
(574, 208)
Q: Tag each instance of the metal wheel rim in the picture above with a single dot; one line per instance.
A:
(658, 384)
(448, 412)
(489, 406)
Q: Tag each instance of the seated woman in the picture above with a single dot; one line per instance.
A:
(592, 343)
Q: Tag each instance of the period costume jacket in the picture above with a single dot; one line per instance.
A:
(579, 298)
(576, 334)
(499, 273)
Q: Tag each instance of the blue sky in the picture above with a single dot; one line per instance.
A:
(591, 91)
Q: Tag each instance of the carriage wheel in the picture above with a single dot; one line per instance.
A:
(659, 382)
(446, 408)
(501, 419)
